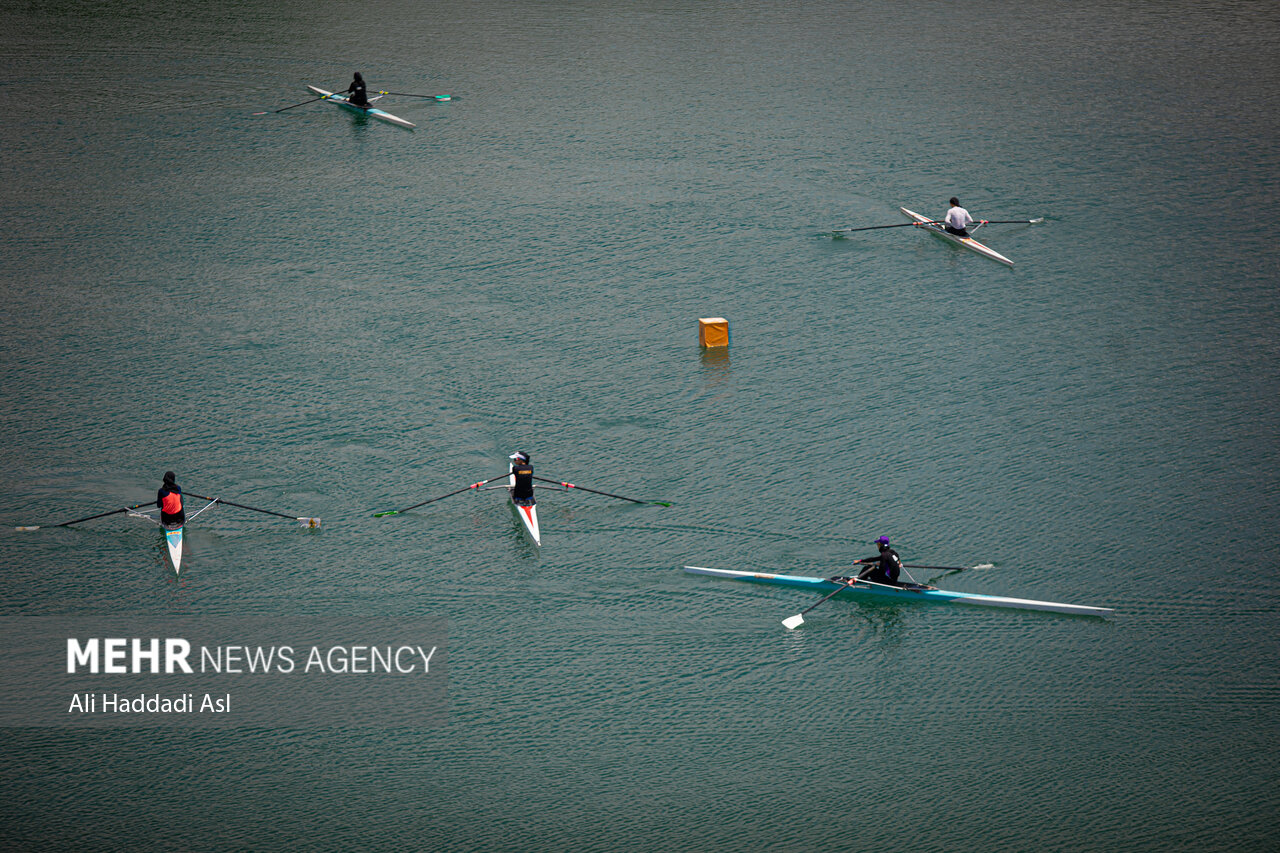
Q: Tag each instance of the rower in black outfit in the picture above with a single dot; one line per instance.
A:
(885, 566)
(357, 93)
(522, 491)
(169, 499)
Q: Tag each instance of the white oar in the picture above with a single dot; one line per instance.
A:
(793, 622)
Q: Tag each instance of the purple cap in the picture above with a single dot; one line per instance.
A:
(883, 540)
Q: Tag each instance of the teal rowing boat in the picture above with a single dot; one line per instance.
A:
(909, 592)
(341, 100)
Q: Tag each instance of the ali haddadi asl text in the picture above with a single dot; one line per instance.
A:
(114, 703)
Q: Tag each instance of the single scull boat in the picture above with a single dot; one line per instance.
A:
(968, 242)
(341, 100)
(912, 592)
(526, 509)
(173, 538)
(173, 533)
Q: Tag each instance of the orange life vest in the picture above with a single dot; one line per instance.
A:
(172, 503)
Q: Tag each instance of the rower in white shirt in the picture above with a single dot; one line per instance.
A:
(958, 219)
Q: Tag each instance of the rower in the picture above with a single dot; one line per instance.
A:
(886, 566)
(957, 220)
(169, 499)
(522, 473)
(357, 93)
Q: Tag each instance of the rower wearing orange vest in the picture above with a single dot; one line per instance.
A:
(169, 499)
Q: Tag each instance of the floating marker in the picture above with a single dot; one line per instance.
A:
(713, 332)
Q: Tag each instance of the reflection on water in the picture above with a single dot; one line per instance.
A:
(715, 363)
(885, 620)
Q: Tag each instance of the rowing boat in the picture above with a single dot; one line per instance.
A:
(173, 533)
(968, 242)
(527, 509)
(910, 592)
(173, 538)
(341, 100)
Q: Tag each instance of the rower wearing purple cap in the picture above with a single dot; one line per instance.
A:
(885, 566)
(521, 477)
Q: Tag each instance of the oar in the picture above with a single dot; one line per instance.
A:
(428, 97)
(875, 227)
(305, 522)
(282, 109)
(793, 622)
(90, 517)
(442, 497)
(606, 494)
(951, 568)
(909, 224)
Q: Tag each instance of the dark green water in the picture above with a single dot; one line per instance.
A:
(326, 314)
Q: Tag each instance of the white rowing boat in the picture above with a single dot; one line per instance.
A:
(173, 533)
(908, 592)
(526, 509)
(173, 538)
(968, 242)
(341, 100)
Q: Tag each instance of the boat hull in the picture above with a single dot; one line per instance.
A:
(968, 242)
(909, 593)
(340, 100)
(173, 538)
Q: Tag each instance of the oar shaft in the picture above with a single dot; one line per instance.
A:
(103, 514)
(441, 497)
(826, 597)
(412, 95)
(877, 227)
(309, 101)
(593, 491)
(939, 568)
(242, 506)
(792, 622)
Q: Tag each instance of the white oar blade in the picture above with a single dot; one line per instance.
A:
(34, 527)
(309, 522)
(985, 566)
(793, 622)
